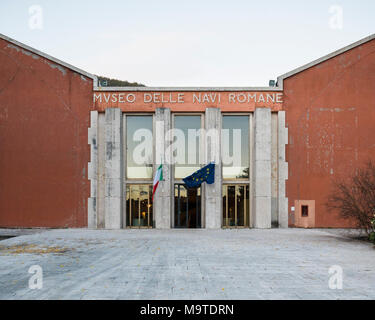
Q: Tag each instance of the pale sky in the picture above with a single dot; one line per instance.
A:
(188, 43)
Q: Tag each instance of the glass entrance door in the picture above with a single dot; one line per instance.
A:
(139, 206)
(187, 207)
(235, 206)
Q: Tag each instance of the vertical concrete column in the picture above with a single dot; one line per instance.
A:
(125, 222)
(274, 171)
(283, 170)
(100, 199)
(163, 197)
(113, 168)
(213, 192)
(93, 170)
(262, 168)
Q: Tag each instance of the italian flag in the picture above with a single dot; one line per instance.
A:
(157, 179)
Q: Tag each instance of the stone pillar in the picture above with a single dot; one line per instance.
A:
(125, 222)
(262, 168)
(274, 171)
(100, 199)
(283, 170)
(213, 192)
(113, 169)
(162, 201)
(92, 170)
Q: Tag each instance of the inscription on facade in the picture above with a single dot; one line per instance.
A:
(170, 97)
(188, 101)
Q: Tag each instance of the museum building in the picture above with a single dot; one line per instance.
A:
(69, 146)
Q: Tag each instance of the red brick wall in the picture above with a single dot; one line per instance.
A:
(330, 113)
(44, 116)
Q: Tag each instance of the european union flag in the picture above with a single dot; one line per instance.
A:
(206, 174)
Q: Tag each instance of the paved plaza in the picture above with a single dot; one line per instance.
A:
(187, 264)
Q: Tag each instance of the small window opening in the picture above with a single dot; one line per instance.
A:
(305, 211)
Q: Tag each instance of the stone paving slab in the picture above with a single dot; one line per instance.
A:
(187, 264)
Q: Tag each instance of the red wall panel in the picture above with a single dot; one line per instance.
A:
(44, 116)
(330, 113)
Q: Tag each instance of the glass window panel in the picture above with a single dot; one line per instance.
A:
(192, 207)
(187, 207)
(198, 215)
(180, 206)
(240, 206)
(191, 146)
(225, 206)
(128, 214)
(236, 169)
(139, 169)
(235, 206)
(247, 207)
(177, 206)
(139, 206)
(231, 222)
(150, 207)
(143, 206)
(134, 205)
(184, 206)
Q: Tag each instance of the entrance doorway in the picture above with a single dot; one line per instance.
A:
(187, 207)
(235, 206)
(139, 206)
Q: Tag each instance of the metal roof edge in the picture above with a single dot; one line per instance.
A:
(46, 56)
(331, 55)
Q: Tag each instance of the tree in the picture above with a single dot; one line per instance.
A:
(108, 82)
(355, 198)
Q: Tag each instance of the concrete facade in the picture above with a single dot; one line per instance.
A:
(113, 169)
(213, 197)
(92, 171)
(268, 137)
(163, 201)
(282, 134)
(262, 169)
(100, 201)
